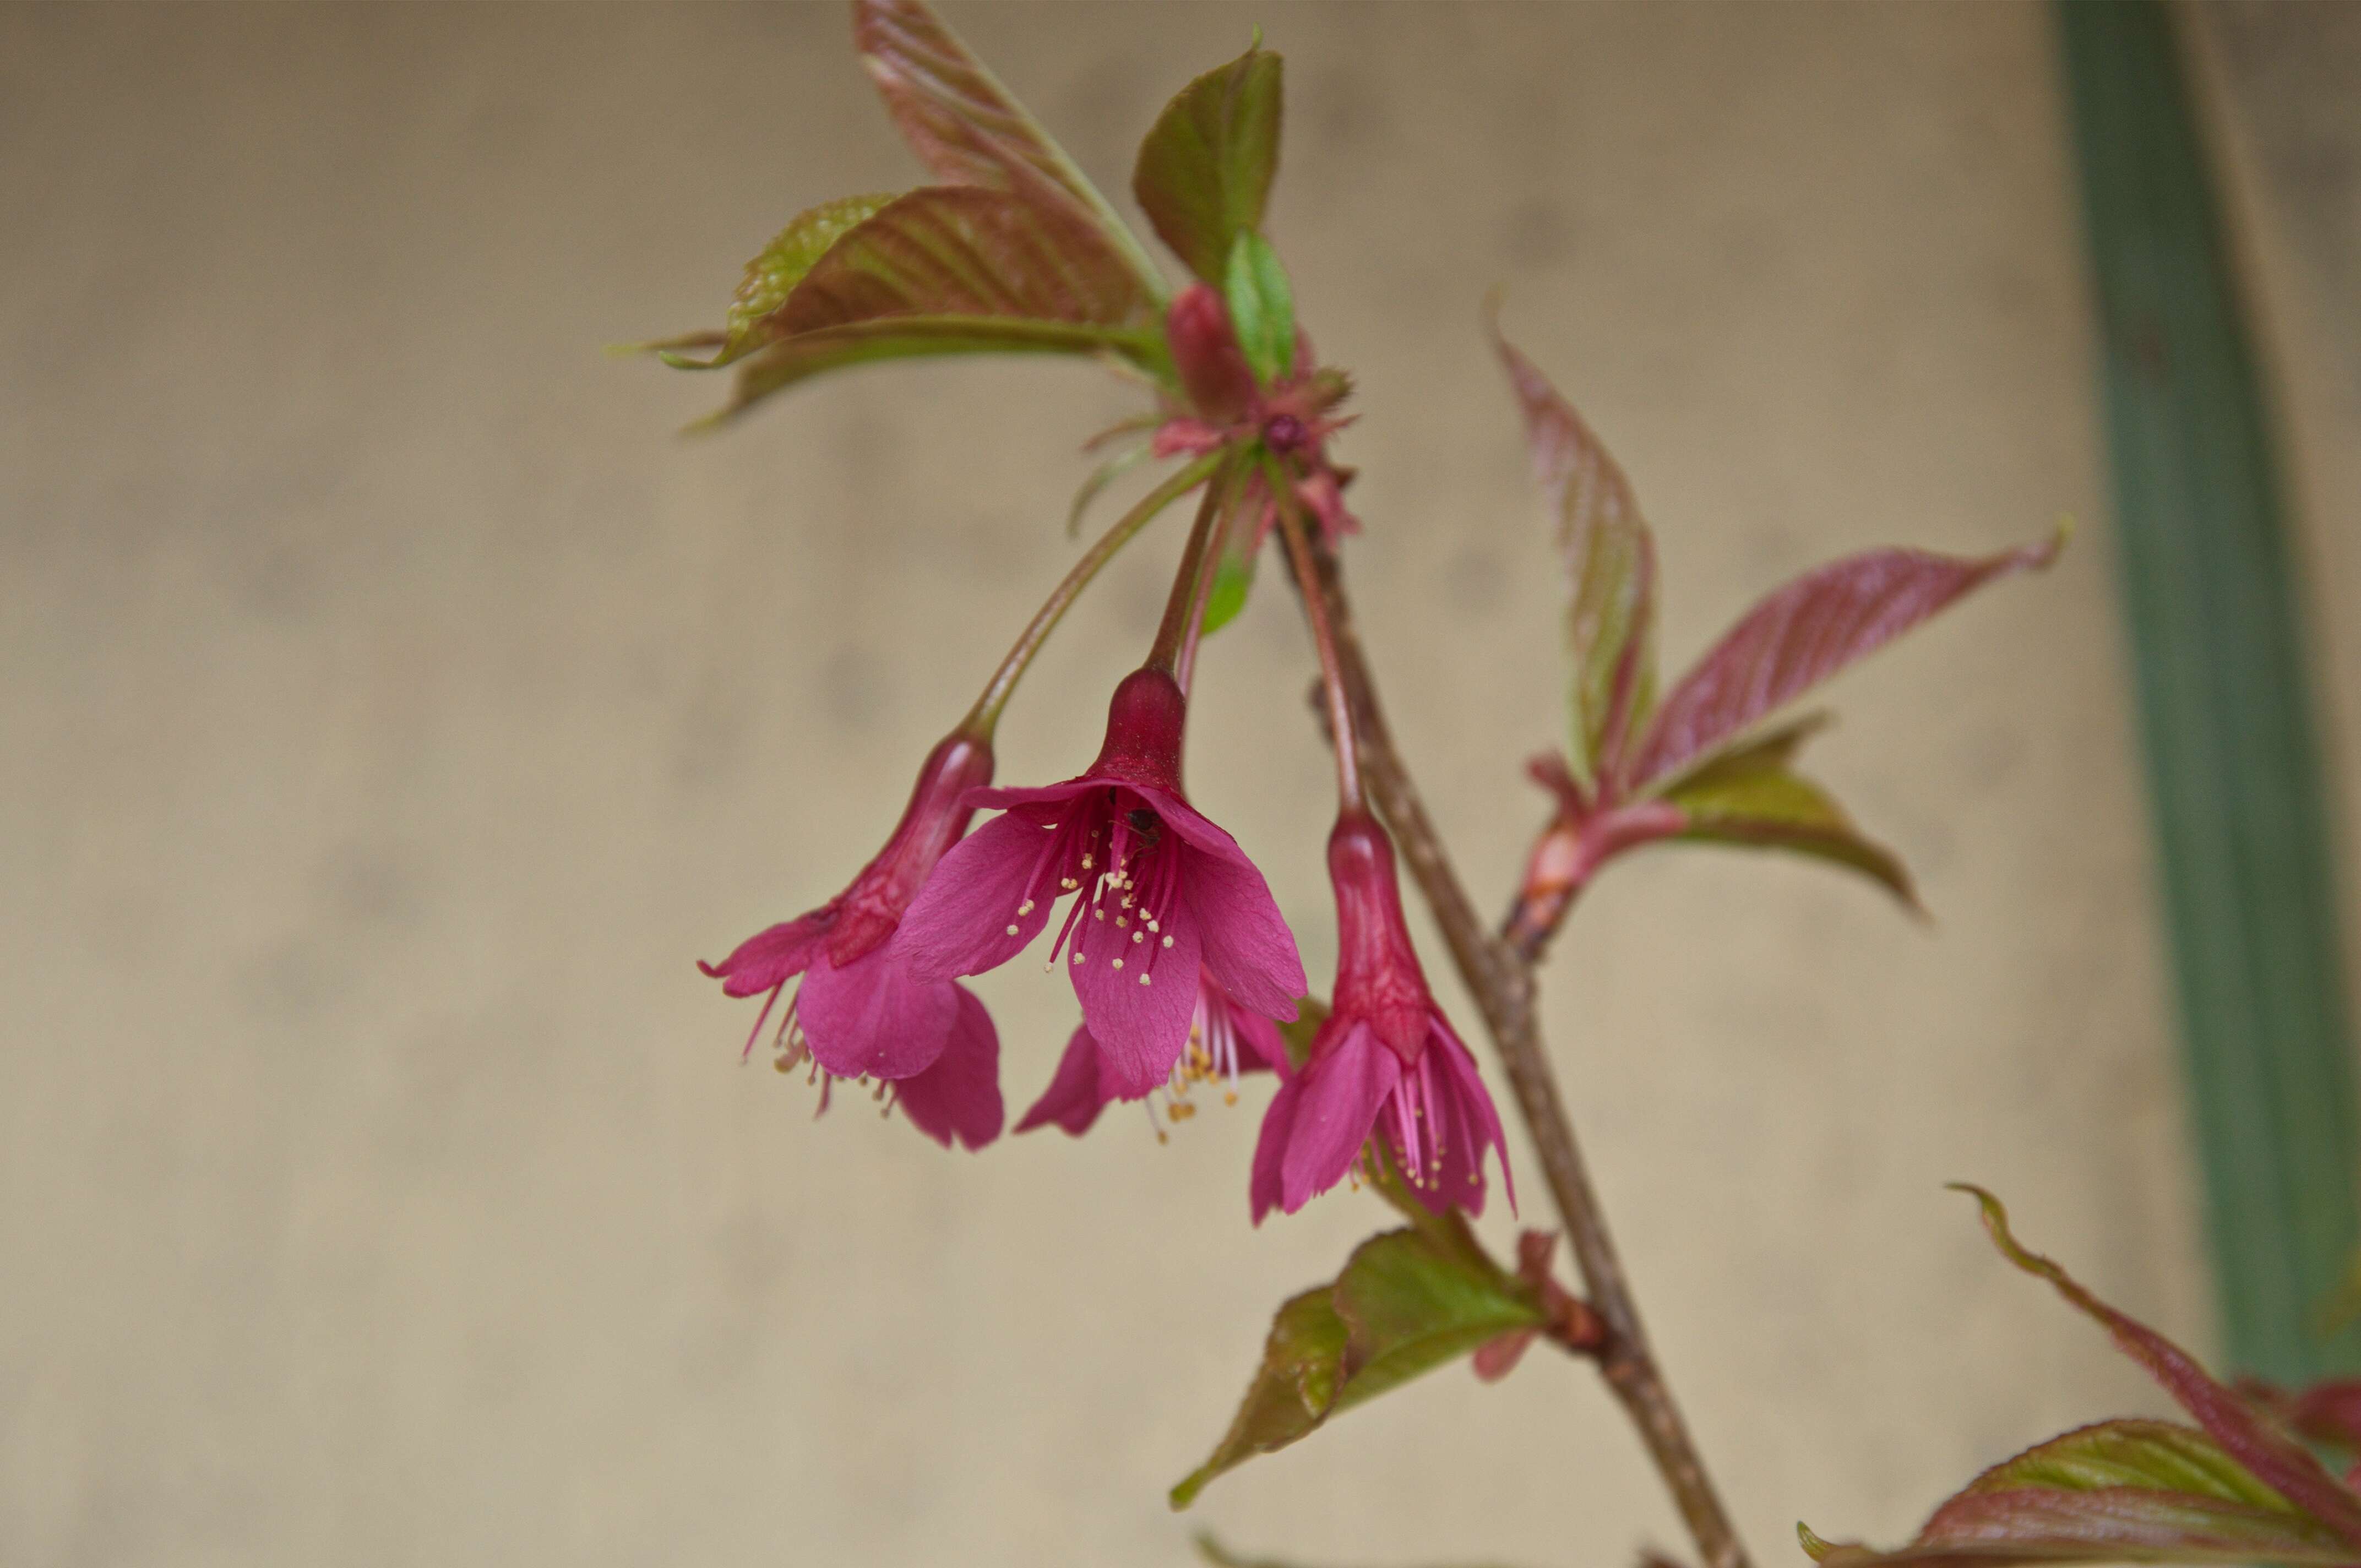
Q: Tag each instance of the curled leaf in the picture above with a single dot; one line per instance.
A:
(1205, 168)
(1610, 563)
(1807, 631)
(2120, 1491)
(2241, 1490)
(2280, 1463)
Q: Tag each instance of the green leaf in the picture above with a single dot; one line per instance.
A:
(772, 275)
(1752, 796)
(2120, 1491)
(1234, 577)
(1205, 170)
(1408, 1301)
(1610, 568)
(1234, 569)
(1262, 306)
(969, 130)
(1293, 1391)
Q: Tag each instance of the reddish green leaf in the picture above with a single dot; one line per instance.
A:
(2282, 1463)
(2120, 1491)
(967, 128)
(1610, 566)
(1751, 795)
(1406, 1301)
(1205, 171)
(1806, 632)
(959, 251)
(772, 276)
(951, 270)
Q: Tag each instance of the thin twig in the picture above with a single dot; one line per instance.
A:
(1502, 985)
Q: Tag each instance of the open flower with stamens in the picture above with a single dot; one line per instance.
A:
(859, 1013)
(1385, 1060)
(1159, 893)
(1225, 1041)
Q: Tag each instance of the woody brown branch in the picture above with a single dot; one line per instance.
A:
(1501, 980)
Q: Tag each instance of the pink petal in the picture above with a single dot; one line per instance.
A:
(1474, 1124)
(1244, 939)
(1263, 1187)
(1141, 1029)
(1195, 828)
(1011, 797)
(958, 1097)
(1342, 1091)
(871, 1019)
(959, 923)
(773, 957)
(1073, 1098)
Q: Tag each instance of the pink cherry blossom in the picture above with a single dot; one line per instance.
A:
(1159, 893)
(859, 1013)
(1385, 1060)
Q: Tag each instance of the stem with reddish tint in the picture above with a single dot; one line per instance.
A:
(982, 718)
(1221, 494)
(1175, 637)
(1502, 984)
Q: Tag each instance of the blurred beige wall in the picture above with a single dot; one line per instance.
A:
(391, 709)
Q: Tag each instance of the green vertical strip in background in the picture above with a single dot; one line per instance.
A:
(2218, 653)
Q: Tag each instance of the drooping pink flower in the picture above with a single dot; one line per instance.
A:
(1384, 1061)
(1225, 1041)
(859, 1013)
(1158, 891)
